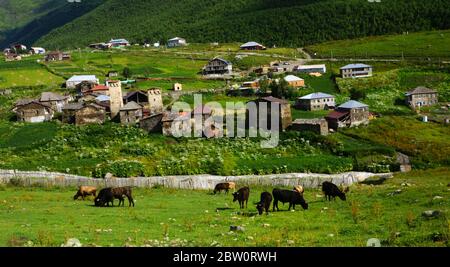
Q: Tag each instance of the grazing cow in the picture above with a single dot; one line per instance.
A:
(291, 196)
(264, 203)
(242, 196)
(84, 191)
(224, 186)
(332, 191)
(107, 195)
(299, 189)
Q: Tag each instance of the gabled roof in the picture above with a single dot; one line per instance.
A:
(273, 99)
(130, 94)
(251, 44)
(99, 87)
(50, 96)
(33, 102)
(353, 104)
(354, 66)
(118, 41)
(337, 114)
(316, 96)
(73, 106)
(292, 78)
(176, 39)
(221, 59)
(131, 106)
(94, 105)
(305, 67)
(24, 101)
(421, 90)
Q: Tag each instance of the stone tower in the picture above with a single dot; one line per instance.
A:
(116, 98)
(155, 102)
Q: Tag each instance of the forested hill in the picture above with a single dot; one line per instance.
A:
(280, 22)
(26, 21)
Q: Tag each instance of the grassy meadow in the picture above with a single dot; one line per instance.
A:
(430, 44)
(168, 217)
(26, 73)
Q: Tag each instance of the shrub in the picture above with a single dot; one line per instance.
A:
(122, 168)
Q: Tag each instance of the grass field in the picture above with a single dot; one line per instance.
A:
(26, 73)
(49, 216)
(432, 44)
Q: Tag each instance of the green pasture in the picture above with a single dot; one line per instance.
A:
(431, 44)
(168, 217)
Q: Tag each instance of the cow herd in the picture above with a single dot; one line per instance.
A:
(293, 197)
(106, 195)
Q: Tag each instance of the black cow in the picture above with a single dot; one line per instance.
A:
(291, 196)
(242, 196)
(108, 194)
(332, 191)
(264, 203)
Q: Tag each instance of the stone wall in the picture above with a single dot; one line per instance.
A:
(205, 182)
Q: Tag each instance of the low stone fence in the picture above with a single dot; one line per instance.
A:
(307, 180)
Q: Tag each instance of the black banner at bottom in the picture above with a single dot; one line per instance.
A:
(222, 256)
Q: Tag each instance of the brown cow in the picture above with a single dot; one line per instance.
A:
(224, 186)
(85, 191)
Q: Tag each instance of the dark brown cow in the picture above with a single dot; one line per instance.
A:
(108, 194)
(242, 196)
(224, 186)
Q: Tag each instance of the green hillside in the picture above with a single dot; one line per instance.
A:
(433, 44)
(281, 23)
(25, 21)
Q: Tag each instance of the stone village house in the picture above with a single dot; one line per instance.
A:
(315, 101)
(349, 114)
(356, 71)
(33, 111)
(318, 126)
(131, 113)
(285, 116)
(82, 113)
(54, 100)
(421, 97)
(152, 123)
(218, 66)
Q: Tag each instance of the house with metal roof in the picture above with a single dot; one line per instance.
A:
(177, 41)
(315, 101)
(420, 97)
(358, 70)
(118, 42)
(320, 68)
(218, 66)
(351, 113)
(294, 81)
(75, 80)
(252, 46)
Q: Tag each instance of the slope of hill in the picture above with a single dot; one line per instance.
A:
(282, 22)
(26, 21)
(429, 44)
